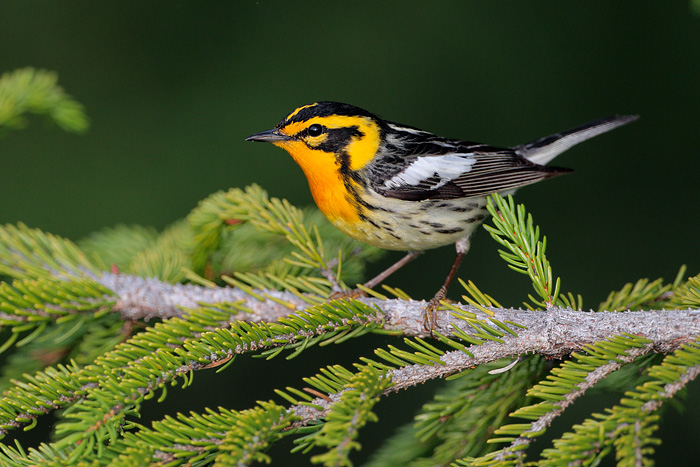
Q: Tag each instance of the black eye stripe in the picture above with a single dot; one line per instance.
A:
(337, 139)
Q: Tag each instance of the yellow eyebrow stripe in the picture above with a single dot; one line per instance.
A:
(300, 109)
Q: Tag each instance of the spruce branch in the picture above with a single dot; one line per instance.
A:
(462, 416)
(514, 229)
(629, 425)
(646, 293)
(554, 333)
(148, 298)
(686, 295)
(207, 326)
(457, 361)
(351, 412)
(31, 91)
(120, 380)
(561, 388)
(591, 380)
(287, 240)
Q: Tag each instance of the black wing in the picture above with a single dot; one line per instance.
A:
(429, 167)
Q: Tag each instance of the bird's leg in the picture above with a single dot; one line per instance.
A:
(429, 318)
(379, 278)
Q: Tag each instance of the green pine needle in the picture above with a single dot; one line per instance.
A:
(348, 416)
(524, 252)
(30, 91)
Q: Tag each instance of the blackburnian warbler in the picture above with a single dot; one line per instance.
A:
(401, 188)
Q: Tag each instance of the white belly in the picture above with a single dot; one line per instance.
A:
(416, 225)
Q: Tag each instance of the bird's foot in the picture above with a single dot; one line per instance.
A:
(430, 311)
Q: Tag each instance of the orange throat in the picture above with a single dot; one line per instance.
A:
(326, 183)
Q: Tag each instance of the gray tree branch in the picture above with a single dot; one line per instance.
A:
(555, 332)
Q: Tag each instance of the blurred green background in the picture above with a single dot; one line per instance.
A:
(173, 88)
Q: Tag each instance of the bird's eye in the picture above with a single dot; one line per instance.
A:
(315, 130)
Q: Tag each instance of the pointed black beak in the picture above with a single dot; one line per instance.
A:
(269, 136)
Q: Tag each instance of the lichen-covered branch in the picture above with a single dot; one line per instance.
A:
(145, 298)
(555, 332)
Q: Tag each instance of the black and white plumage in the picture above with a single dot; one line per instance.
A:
(415, 165)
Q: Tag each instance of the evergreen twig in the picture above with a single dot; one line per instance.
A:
(30, 91)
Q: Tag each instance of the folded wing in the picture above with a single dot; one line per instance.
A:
(467, 172)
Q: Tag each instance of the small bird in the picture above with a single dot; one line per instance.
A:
(400, 188)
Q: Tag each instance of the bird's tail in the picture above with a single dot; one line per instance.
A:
(545, 149)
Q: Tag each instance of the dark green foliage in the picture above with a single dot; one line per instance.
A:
(142, 251)
(261, 241)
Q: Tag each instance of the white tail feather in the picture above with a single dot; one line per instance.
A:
(545, 149)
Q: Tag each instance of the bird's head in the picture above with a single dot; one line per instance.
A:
(327, 136)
